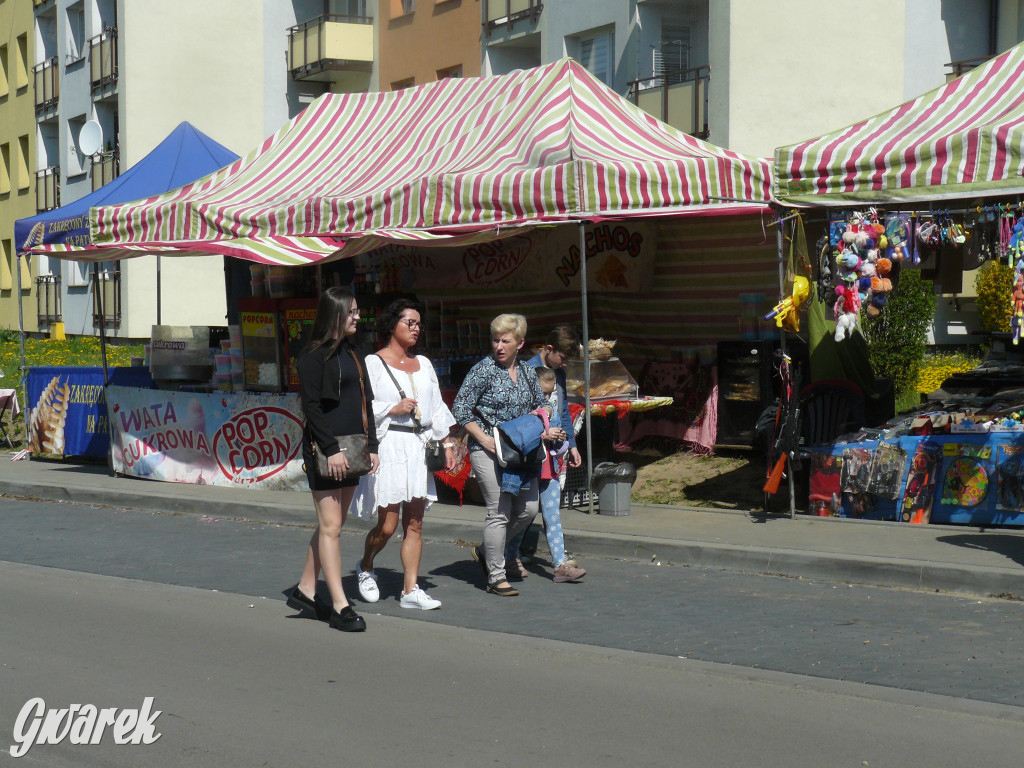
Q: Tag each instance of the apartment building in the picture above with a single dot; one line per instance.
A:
(421, 41)
(750, 75)
(235, 69)
(17, 150)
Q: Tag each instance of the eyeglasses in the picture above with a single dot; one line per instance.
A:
(412, 323)
(354, 312)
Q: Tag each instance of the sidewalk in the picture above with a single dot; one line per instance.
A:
(934, 557)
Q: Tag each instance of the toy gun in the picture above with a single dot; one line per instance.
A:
(801, 289)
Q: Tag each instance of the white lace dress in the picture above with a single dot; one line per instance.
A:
(402, 474)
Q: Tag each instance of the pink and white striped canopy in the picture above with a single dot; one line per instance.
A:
(959, 141)
(455, 160)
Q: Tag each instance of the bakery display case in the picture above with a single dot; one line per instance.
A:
(609, 380)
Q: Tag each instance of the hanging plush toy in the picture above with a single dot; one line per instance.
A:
(1017, 319)
(845, 311)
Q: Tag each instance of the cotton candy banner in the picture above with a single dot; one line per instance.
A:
(251, 440)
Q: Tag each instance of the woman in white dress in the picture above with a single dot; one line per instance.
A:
(408, 410)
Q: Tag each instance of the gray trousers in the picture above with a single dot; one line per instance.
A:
(507, 514)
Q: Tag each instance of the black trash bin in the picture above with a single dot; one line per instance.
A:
(612, 484)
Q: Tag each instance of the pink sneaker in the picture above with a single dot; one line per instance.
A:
(566, 572)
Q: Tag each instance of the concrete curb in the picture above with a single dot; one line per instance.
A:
(773, 561)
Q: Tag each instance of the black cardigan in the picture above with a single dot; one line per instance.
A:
(330, 399)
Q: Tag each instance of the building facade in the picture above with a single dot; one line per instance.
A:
(237, 70)
(17, 153)
(424, 41)
(748, 75)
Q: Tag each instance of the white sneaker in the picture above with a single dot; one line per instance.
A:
(368, 586)
(419, 599)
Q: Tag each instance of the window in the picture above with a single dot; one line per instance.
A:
(75, 32)
(5, 169)
(21, 63)
(4, 86)
(449, 72)
(595, 53)
(398, 85)
(24, 182)
(6, 266)
(408, 6)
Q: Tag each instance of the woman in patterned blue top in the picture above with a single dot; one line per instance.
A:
(497, 389)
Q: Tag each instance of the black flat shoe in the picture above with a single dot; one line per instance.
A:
(478, 558)
(297, 601)
(508, 591)
(347, 620)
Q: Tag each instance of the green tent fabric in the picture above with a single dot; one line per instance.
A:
(831, 359)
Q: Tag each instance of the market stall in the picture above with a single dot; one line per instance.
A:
(183, 156)
(932, 185)
(506, 159)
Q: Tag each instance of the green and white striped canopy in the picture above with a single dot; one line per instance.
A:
(455, 160)
(959, 141)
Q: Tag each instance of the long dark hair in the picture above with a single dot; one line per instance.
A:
(331, 314)
(391, 314)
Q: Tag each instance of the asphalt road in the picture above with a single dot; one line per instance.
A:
(642, 663)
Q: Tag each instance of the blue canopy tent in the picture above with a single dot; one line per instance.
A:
(184, 156)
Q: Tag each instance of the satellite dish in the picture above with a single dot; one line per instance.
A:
(90, 138)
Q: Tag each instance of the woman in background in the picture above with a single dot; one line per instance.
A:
(497, 389)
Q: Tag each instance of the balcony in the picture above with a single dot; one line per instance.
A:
(962, 67)
(106, 297)
(103, 59)
(677, 98)
(46, 81)
(48, 189)
(334, 49)
(501, 13)
(105, 168)
(48, 299)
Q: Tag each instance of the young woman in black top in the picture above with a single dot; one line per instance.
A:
(330, 370)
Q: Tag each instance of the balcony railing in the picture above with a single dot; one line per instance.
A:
(105, 168)
(48, 307)
(330, 43)
(106, 297)
(48, 189)
(962, 67)
(500, 13)
(677, 98)
(103, 59)
(46, 80)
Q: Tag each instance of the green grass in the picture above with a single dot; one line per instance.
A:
(76, 351)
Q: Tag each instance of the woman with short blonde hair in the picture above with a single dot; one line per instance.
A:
(514, 324)
(497, 389)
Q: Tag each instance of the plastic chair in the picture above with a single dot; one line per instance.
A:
(829, 409)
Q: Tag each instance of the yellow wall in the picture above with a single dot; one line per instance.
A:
(17, 134)
(436, 36)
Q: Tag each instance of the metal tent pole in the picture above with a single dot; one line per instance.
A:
(586, 367)
(781, 243)
(21, 342)
(158, 291)
(103, 320)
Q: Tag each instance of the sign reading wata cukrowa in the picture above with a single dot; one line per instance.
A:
(223, 438)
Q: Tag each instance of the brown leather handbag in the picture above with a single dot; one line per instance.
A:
(355, 447)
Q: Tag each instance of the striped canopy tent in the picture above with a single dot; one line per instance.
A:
(458, 160)
(961, 140)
